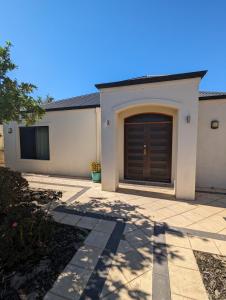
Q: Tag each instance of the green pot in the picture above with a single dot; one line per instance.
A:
(96, 176)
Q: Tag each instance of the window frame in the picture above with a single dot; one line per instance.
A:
(35, 159)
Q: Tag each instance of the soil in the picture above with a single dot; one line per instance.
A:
(213, 271)
(43, 197)
(31, 282)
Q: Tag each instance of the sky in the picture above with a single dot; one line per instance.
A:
(65, 47)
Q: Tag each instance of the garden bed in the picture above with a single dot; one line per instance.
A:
(32, 279)
(34, 249)
(213, 271)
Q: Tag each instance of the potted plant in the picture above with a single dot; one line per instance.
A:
(96, 171)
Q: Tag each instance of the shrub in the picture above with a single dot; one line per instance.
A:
(12, 188)
(24, 235)
(95, 167)
(25, 228)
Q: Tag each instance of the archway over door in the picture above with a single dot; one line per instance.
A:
(148, 147)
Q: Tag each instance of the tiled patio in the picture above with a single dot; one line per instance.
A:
(151, 257)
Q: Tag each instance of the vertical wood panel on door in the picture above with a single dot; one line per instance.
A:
(148, 147)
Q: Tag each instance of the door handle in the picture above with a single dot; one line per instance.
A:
(145, 150)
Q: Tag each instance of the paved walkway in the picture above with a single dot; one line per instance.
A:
(141, 241)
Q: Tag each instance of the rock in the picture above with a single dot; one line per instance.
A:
(37, 197)
(217, 293)
(213, 269)
(32, 296)
(17, 280)
(43, 265)
(11, 295)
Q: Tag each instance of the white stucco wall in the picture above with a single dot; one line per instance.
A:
(211, 150)
(74, 143)
(180, 95)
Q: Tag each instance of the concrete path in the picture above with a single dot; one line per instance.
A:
(141, 241)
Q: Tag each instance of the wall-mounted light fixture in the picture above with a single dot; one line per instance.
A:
(10, 130)
(107, 123)
(188, 118)
(214, 124)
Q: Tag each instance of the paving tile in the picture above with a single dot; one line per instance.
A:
(223, 231)
(58, 216)
(179, 208)
(207, 211)
(70, 219)
(86, 257)
(161, 289)
(105, 226)
(221, 246)
(124, 247)
(132, 264)
(87, 222)
(196, 226)
(192, 216)
(178, 221)
(203, 244)
(213, 224)
(97, 239)
(115, 280)
(148, 228)
(182, 257)
(50, 296)
(187, 283)
(139, 288)
(137, 238)
(129, 227)
(179, 297)
(180, 240)
(222, 213)
(71, 282)
(147, 252)
(69, 195)
(152, 207)
(163, 213)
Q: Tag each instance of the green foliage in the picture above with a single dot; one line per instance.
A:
(25, 233)
(12, 189)
(25, 228)
(95, 166)
(16, 100)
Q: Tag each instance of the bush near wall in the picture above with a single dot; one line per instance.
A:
(25, 228)
(12, 189)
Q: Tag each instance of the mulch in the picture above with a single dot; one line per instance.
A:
(32, 280)
(213, 271)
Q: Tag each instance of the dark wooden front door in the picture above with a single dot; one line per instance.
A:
(148, 147)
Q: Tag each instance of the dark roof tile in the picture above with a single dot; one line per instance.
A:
(93, 100)
(79, 102)
(203, 95)
(150, 79)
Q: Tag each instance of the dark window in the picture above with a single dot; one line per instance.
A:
(34, 142)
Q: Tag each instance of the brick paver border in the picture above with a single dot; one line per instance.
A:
(99, 275)
(198, 233)
(160, 282)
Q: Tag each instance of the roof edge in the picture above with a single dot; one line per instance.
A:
(144, 80)
(72, 107)
(215, 97)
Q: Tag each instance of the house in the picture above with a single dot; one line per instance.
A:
(151, 128)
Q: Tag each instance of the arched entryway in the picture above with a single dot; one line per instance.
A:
(148, 147)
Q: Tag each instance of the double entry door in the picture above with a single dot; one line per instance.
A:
(148, 147)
